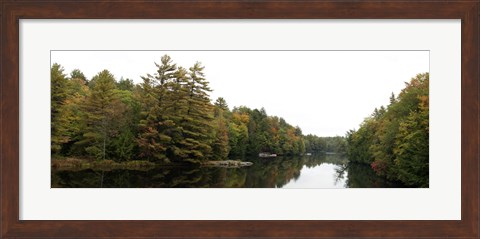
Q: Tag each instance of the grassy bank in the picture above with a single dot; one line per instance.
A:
(76, 164)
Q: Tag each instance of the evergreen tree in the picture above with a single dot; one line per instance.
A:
(57, 98)
(196, 124)
(154, 127)
(176, 103)
(101, 110)
(221, 106)
(77, 74)
(392, 99)
(125, 84)
(220, 147)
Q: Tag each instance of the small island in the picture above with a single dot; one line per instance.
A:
(227, 164)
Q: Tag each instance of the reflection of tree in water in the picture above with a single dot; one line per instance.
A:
(340, 173)
(318, 159)
(273, 172)
(264, 173)
(362, 176)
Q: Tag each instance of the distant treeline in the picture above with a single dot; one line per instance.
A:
(395, 140)
(315, 144)
(168, 117)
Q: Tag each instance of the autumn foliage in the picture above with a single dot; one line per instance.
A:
(395, 140)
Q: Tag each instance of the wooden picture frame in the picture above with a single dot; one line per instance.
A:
(12, 11)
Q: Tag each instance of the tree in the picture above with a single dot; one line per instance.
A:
(392, 99)
(238, 133)
(394, 140)
(77, 74)
(125, 84)
(411, 152)
(220, 147)
(257, 132)
(221, 106)
(72, 113)
(153, 138)
(177, 114)
(176, 104)
(57, 98)
(196, 123)
(412, 143)
(122, 145)
(101, 108)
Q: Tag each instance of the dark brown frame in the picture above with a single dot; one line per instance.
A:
(12, 11)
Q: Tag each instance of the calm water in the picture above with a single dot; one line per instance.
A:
(317, 171)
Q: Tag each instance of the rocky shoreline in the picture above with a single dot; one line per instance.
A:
(227, 164)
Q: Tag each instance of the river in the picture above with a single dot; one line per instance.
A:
(315, 171)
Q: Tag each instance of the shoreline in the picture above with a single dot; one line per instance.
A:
(76, 164)
(79, 164)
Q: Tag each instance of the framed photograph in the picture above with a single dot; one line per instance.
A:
(239, 119)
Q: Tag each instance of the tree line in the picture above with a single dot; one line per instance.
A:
(168, 117)
(316, 144)
(394, 140)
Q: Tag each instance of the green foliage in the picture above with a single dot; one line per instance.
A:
(124, 145)
(315, 144)
(394, 140)
(168, 117)
(220, 147)
(102, 107)
(66, 98)
(196, 121)
(155, 127)
(221, 107)
(238, 133)
(177, 114)
(125, 84)
(253, 131)
(57, 98)
(77, 74)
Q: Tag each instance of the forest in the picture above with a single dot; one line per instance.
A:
(169, 117)
(394, 140)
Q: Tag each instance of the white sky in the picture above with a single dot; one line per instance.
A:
(323, 92)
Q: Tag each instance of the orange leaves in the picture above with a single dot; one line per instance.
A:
(240, 118)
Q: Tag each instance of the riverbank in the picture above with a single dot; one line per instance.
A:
(76, 164)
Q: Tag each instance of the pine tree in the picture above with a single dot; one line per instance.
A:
(196, 123)
(392, 99)
(77, 74)
(155, 126)
(221, 106)
(100, 111)
(125, 84)
(220, 147)
(58, 96)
